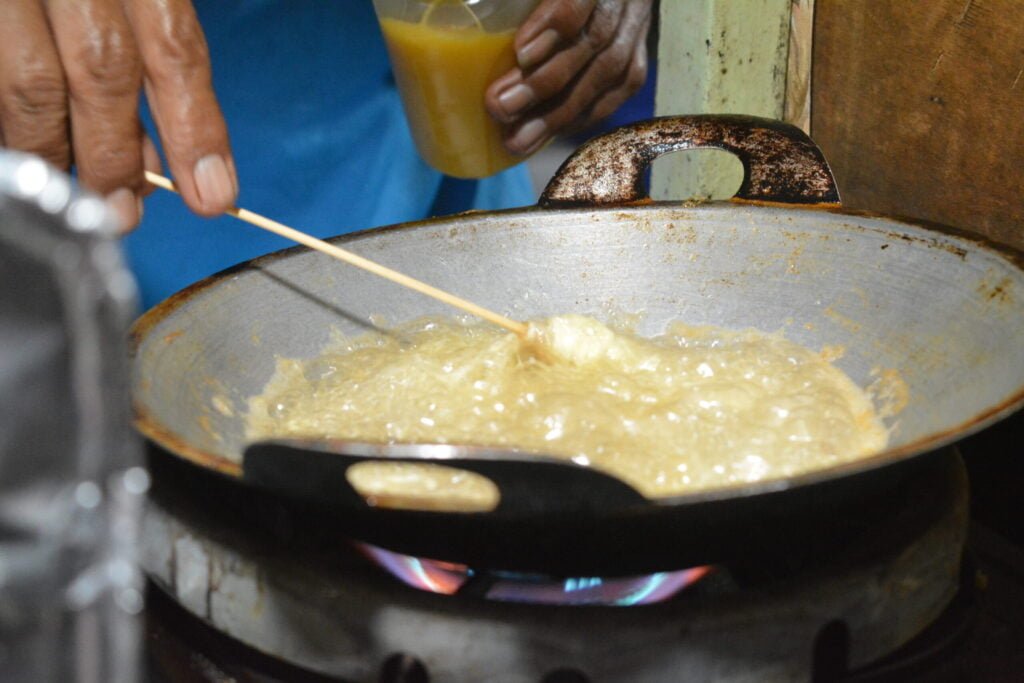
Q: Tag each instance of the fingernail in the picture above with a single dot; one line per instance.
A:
(528, 137)
(126, 204)
(214, 183)
(538, 49)
(516, 99)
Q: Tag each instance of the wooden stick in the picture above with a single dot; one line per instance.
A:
(358, 261)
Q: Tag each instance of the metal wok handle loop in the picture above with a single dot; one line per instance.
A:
(528, 485)
(780, 162)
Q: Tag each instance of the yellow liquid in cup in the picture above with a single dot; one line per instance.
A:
(442, 74)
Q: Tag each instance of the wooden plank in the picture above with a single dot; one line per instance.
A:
(717, 56)
(919, 108)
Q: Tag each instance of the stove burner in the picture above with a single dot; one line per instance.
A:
(448, 578)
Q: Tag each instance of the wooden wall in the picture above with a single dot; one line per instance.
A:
(717, 56)
(919, 107)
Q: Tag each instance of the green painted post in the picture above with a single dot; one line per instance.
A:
(717, 56)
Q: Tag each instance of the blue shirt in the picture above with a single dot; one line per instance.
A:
(319, 138)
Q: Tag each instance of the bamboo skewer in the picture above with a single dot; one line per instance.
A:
(359, 262)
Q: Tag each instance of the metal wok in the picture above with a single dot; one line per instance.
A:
(943, 309)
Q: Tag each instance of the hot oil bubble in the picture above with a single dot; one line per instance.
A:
(320, 369)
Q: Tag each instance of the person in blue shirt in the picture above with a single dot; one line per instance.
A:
(318, 137)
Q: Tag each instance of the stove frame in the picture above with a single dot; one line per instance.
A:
(331, 611)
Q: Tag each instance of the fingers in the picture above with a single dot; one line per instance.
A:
(631, 79)
(70, 76)
(605, 105)
(150, 162)
(524, 88)
(104, 77)
(178, 84)
(581, 81)
(553, 22)
(33, 99)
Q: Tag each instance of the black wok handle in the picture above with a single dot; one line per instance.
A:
(314, 471)
(780, 163)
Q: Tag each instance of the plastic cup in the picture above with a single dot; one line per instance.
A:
(445, 54)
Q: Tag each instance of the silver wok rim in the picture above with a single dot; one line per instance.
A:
(149, 425)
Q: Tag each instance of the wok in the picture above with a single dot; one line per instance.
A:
(942, 308)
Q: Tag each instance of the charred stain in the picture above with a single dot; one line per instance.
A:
(933, 242)
(998, 293)
(975, 240)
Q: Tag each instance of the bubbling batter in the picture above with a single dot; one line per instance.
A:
(698, 408)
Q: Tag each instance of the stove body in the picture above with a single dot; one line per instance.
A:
(251, 569)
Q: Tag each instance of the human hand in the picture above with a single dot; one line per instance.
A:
(71, 72)
(579, 61)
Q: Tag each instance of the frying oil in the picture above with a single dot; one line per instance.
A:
(698, 408)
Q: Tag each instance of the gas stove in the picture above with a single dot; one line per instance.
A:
(315, 605)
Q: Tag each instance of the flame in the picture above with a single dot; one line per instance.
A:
(432, 576)
(448, 578)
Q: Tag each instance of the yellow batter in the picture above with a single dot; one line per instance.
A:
(699, 408)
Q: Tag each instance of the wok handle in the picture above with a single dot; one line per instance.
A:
(780, 162)
(315, 472)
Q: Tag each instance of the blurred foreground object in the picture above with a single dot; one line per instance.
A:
(71, 484)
